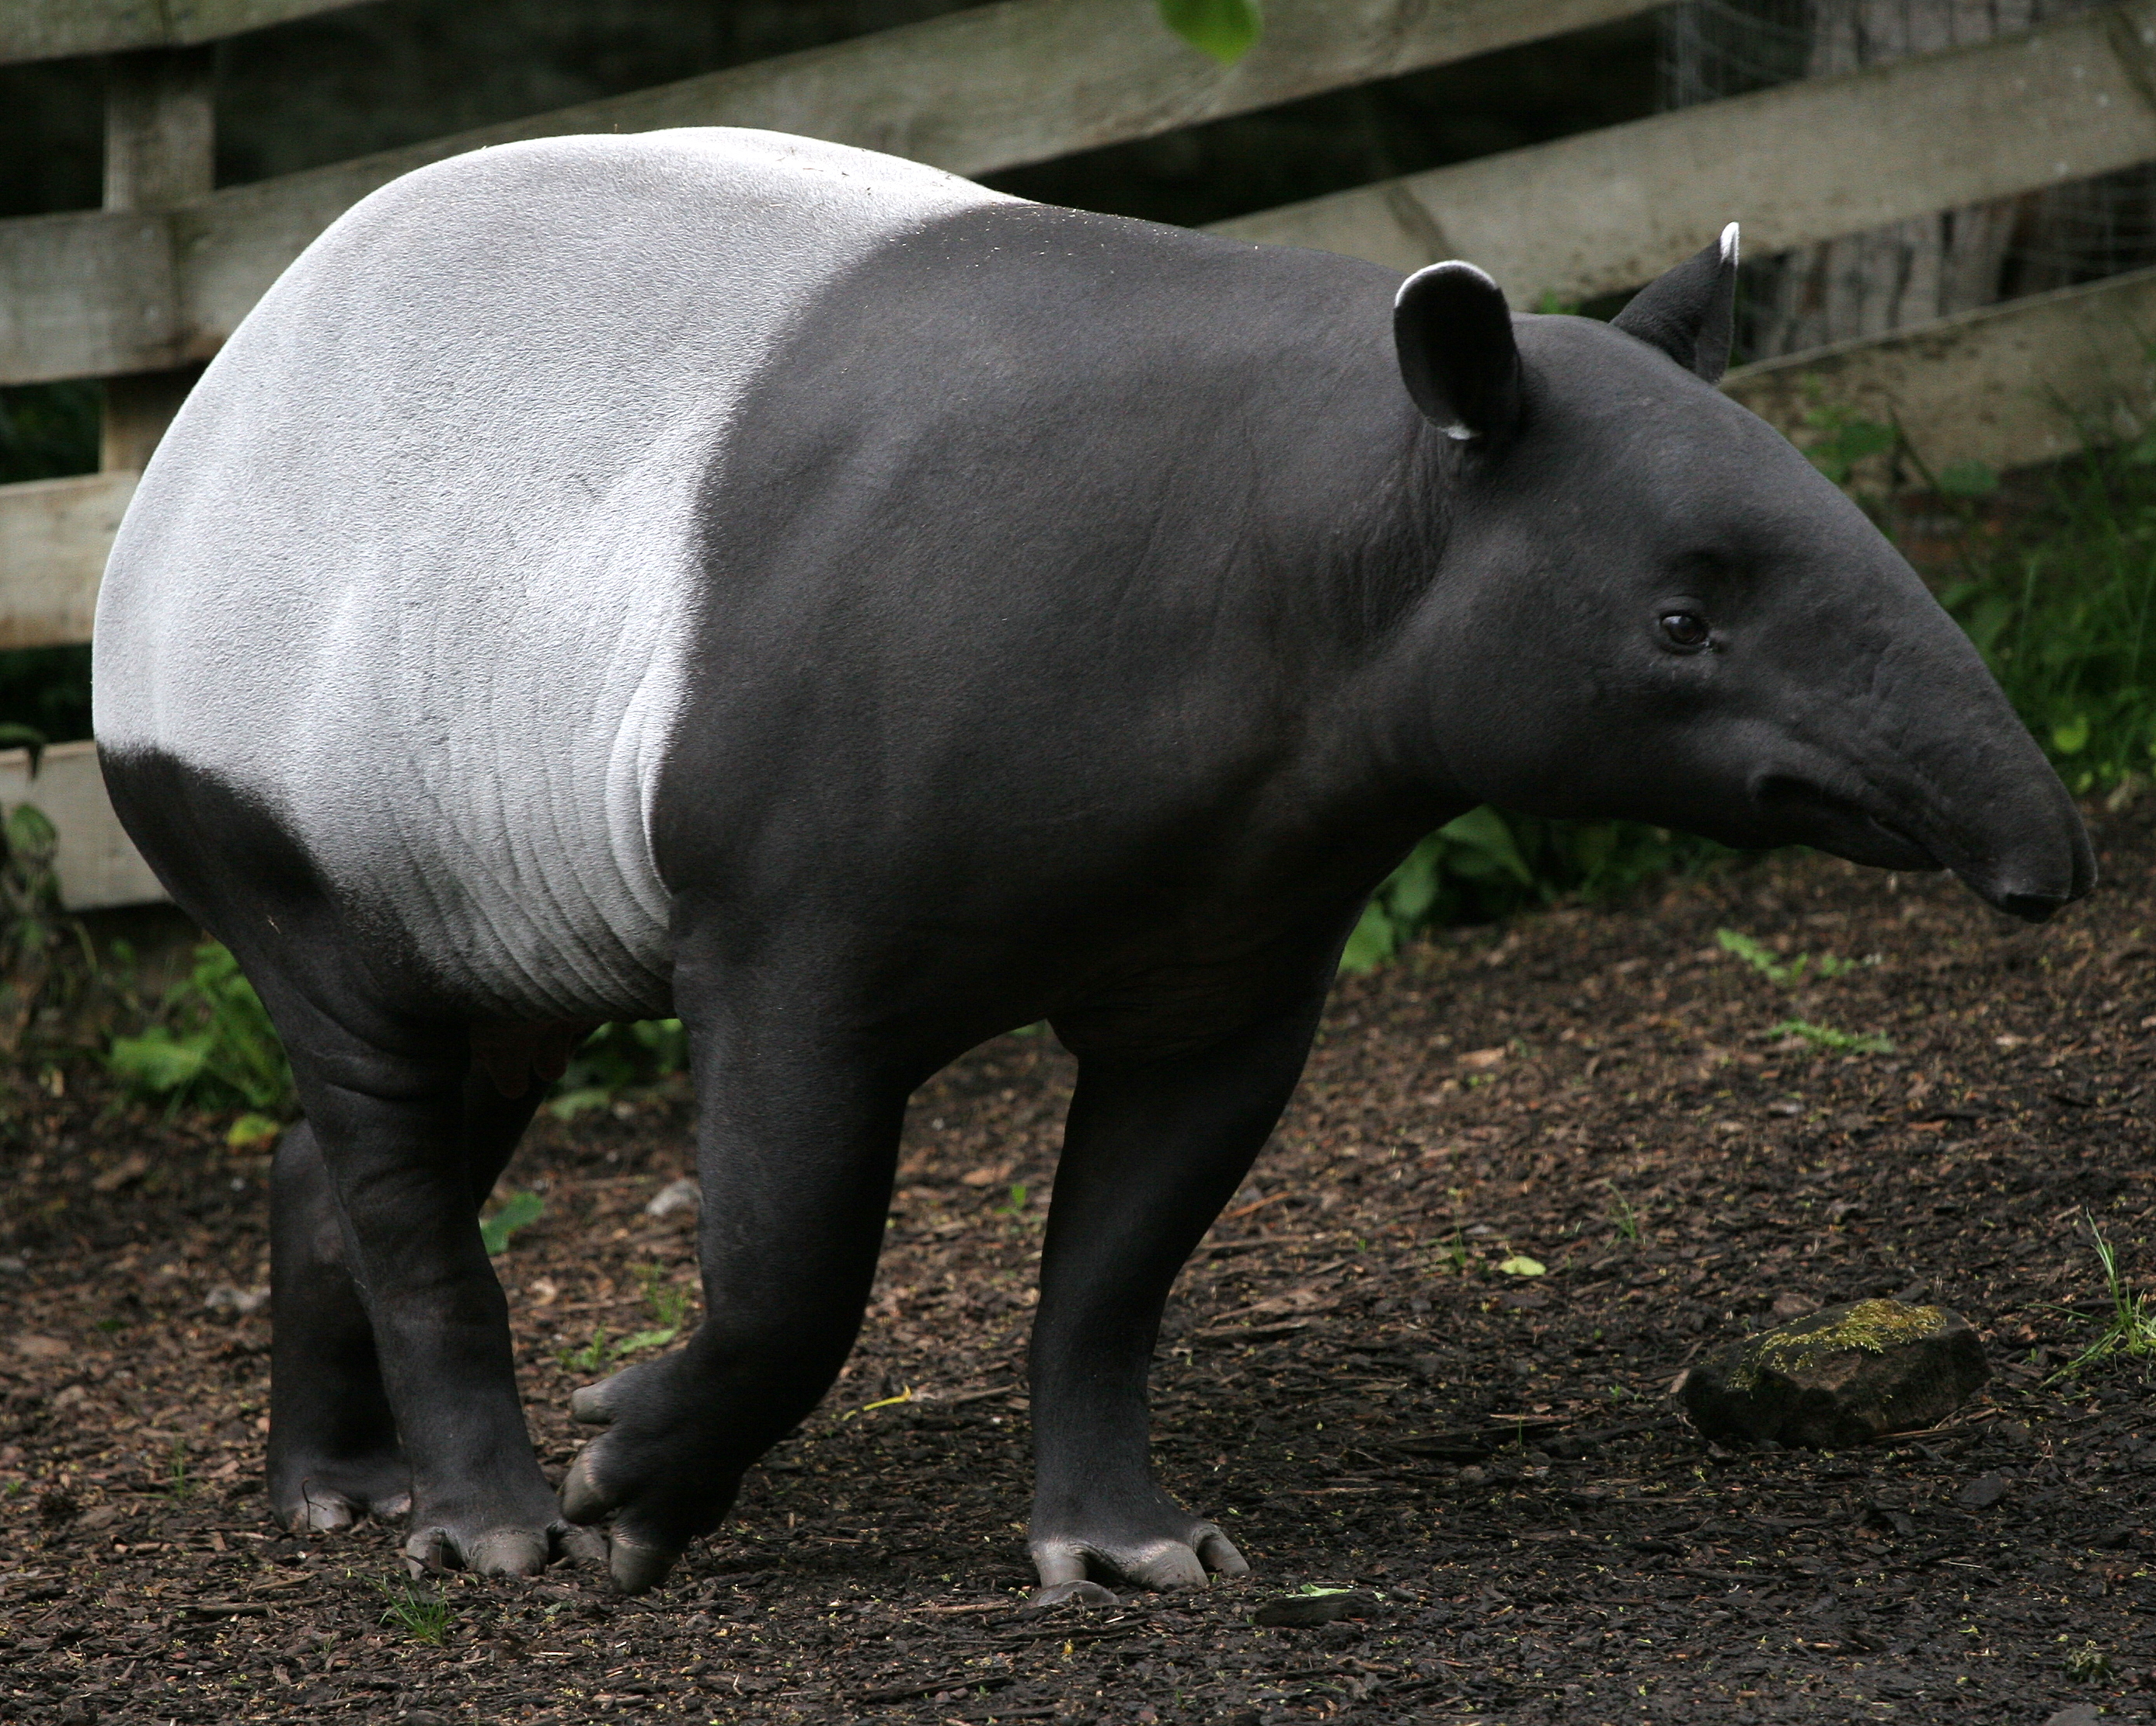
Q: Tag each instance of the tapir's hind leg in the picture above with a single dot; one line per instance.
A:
(334, 1455)
(1154, 1146)
(389, 1107)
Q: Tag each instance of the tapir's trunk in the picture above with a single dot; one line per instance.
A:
(1922, 763)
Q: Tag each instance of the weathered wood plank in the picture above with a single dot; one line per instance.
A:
(87, 295)
(1806, 162)
(53, 29)
(2007, 385)
(991, 87)
(98, 865)
(54, 537)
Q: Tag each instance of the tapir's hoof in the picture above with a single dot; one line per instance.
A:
(1162, 1564)
(582, 1499)
(1086, 1594)
(593, 1404)
(585, 1548)
(636, 1568)
(500, 1552)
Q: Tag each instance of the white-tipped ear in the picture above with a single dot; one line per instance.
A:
(1691, 313)
(1454, 334)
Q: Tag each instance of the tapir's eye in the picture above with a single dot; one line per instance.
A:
(1684, 629)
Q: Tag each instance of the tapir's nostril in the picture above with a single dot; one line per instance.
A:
(2031, 907)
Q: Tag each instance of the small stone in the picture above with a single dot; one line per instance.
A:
(1843, 1377)
(240, 1303)
(1984, 1492)
(1472, 1476)
(682, 1195)
(1791, 1306)
(1307, 1611)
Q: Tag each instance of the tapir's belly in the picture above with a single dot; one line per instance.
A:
(419, 567)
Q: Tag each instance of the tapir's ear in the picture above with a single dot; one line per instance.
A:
(1457, 356)
(1689, 313)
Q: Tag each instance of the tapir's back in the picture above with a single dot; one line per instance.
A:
(414, 568)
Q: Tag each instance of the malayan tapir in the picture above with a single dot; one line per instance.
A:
(721, 574)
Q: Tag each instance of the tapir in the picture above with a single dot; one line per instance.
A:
(717, 574)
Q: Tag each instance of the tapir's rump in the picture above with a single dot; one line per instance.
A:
(414, 568)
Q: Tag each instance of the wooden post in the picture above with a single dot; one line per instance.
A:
(160, 138)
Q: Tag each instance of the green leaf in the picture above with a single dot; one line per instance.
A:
(1226, 30)
(1520, 1265)
(1482, 834)
(156, 1061)
(2071, 738)
(1968, 479)
(643, 1340)
(517, 1209)
(253, 1130)
(572, 1103)
(1372, 942)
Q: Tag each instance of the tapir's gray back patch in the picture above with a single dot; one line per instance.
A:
(418, 564)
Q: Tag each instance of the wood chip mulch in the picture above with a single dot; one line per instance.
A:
(1346, 1379)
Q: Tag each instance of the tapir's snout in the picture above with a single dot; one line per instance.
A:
(1968, 791)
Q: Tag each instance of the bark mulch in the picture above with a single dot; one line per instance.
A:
(1346, 1379)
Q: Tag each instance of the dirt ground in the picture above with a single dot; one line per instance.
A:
(1346, 1381)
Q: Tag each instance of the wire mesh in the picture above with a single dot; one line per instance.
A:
(1864, 285)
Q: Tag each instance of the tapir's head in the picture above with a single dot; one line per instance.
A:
(1651, 605)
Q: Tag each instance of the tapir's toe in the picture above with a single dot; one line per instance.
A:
(637, 1568)
(1166, 1564)
(594, 1404)
(498, 1552)
(585, 1548)
(582, 1498)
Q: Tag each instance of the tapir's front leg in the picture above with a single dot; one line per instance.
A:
(1152, 1149)
(798, 1128)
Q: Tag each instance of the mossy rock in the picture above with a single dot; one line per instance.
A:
(1842, 1376)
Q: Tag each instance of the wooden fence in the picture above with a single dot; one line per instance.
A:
(153, 282)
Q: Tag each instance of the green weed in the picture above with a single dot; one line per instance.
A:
(423, 1614)
(1226, 29)
(615, 1057)
(1772, 966)
(2130, 1330)
(214, 1047)
(669, 1304)
(2063, 610)
(518, 1210)
(1622, 1216)
(1833, 1041)
(1015, 1206)
(179, 1484)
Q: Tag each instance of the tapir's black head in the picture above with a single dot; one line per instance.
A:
(1653, 607)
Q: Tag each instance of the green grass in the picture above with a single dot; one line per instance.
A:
(1828, 1040)
(1789, 973)
(2130, 1328)
(423, 1614)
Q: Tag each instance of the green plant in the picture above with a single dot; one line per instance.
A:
(2063, 609)
(1486, 865)
(668, 1303)
(1622, 1215)
(1015, 1206)
(1764, 960)
(216, 1047)
(2130, 1330)
(423, 1614)
(2088, 1663)
(1226, 30)
(615, 1057)
(1826, 1037)
(518, 1210)
(178, 1485)
(1838, 438)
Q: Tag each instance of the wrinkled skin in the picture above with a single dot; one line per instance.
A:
(1224, 625)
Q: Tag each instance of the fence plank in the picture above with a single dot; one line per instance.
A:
(98, 865)
(1806, 162)
(966, 92)
(53, 29)
(2027, 381)
(54, 536)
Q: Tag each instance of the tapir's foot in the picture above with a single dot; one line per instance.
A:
(513, 1549)
(326, 1495)
(1153, 1544)
(652, 1473)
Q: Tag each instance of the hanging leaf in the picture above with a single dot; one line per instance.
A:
(1226, 30)
(26, 738)
(517, 1209)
